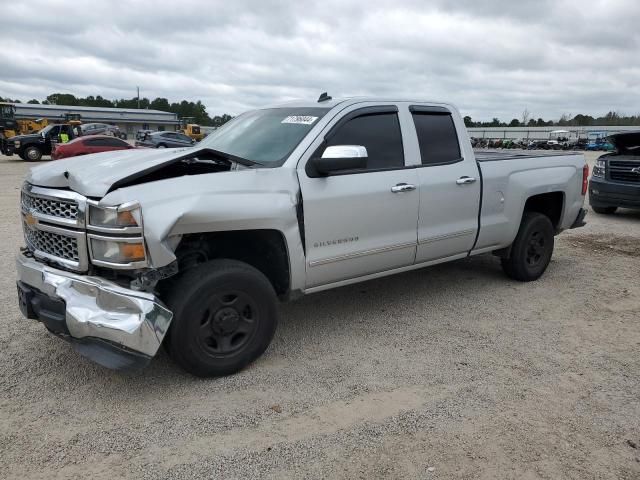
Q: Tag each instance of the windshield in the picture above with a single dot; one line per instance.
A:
(46, 129)
(265, 136)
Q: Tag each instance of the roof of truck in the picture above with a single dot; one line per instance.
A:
(303, 103)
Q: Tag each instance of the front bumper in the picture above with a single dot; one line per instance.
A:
(113, 326)
(604, 193)
(7, 148)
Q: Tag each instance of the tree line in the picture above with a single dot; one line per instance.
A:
(198, 112)
(612, 118)
(184, 108)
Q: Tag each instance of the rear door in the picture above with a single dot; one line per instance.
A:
(449, 186)
(355, 221)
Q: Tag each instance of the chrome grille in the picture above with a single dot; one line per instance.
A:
(53, 208)
(53, 244)
(622, 171)
(54, 226)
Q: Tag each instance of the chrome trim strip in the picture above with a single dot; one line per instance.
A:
(381, 274)
(362, 253)
(447, 236)
(118, 266)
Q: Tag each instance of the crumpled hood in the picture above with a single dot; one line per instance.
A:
(93, 175)
(626, 140)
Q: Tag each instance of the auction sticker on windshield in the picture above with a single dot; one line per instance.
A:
(300, 119)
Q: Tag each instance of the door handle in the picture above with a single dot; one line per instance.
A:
(465, 180)
(402, 187)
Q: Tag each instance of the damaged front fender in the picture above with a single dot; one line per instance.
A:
(247, 199)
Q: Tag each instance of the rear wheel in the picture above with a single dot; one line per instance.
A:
(224, 317)
(162, 145)
(604, 210)
(531, 250)
(32, 154)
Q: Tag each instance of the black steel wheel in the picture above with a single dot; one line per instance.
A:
(224, 317)
(532, 248)
(32, 154)
(228, 323)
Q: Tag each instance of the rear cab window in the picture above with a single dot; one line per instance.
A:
(437, 135)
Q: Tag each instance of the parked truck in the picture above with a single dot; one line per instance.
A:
(193, 248)
(31, 147)
(615, 181)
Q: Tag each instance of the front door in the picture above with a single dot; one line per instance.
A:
(360, 222)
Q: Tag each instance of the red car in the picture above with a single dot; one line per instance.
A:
(88, 144)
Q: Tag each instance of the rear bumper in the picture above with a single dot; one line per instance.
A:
(603, 193)
(113, 326)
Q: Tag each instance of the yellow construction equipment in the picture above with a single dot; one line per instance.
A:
(191, 129)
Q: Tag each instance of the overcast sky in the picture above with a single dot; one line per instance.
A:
(490, 58)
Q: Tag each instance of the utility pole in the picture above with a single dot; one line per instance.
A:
(138, 96)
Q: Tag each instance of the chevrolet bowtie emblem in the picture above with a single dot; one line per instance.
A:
(30, 220)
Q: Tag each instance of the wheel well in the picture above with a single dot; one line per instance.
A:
(265, 250)
(549, 204)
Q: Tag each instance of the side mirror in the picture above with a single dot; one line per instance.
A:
(340, 157)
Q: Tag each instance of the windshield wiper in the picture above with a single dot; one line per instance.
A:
(233, 158)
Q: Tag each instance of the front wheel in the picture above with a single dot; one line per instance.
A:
(32, 154)
(531, 250)
(162, 145)
(225, 316)
(604, 210)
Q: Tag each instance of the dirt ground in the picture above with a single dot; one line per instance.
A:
(449, 372)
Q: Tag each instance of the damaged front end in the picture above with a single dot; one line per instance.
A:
(68, 276)
(97, 253)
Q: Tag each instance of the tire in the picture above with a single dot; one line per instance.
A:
(162, 145)
(225, 316)
(32, 154)
(604, 210)
(532, 249)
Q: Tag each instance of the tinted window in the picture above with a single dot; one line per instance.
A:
(379, 134)
(437, 138)
(185, 138)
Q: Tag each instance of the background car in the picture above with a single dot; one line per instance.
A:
(166, 140)
(88, 144)
(102, 129)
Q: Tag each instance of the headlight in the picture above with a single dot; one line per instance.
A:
(115, 236)
(114, 252)
(16, 143)
(599, 168)
(119, 217)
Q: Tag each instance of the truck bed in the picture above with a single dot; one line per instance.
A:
(493, 155)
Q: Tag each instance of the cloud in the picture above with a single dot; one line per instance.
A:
(489, 58)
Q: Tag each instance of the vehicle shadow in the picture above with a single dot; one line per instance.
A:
(334, 312)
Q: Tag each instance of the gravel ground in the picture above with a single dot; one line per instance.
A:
(449, 372)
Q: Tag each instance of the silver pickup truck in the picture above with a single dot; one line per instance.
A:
(193, 248)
